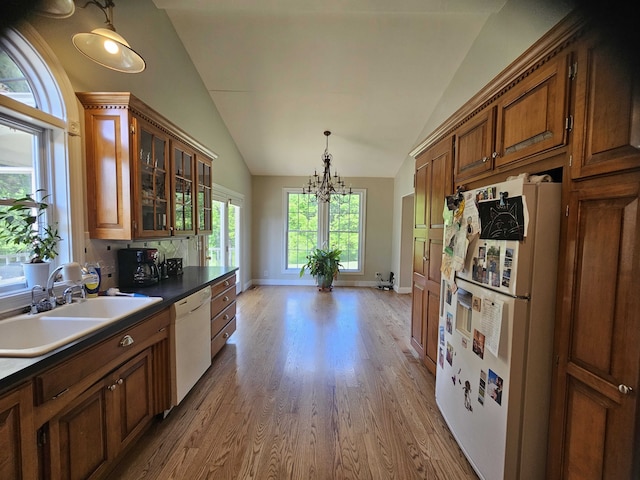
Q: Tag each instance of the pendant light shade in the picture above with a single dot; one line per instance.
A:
(55, 8)
(110, 50)
(106, 47)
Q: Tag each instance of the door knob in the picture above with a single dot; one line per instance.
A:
(623, 389)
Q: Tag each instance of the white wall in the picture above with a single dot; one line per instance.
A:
(170, 85)
(505, 36)
(269, 219)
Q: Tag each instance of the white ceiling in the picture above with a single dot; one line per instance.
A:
(280, 72)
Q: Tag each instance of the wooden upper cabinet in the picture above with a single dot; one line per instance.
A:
(532, 115)
(475, 145)
(204, 205)
(150, 173)
(607, 112)
(141, 170)
(183, 189)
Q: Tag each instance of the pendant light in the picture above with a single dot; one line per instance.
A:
(323, 187)
(106, 47)
(55, 8)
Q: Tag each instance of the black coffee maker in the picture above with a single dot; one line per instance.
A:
(138, 267)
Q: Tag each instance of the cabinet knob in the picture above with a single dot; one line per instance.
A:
(126, 341)
(623, 389)
(120, 381)
(226, 283)
(484, 159)
(225, 335)
(495, 155)
(226, 316)
(225, 299)
(111, 388)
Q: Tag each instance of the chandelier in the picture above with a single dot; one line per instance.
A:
(323, 187)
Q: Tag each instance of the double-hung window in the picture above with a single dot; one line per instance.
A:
(338, 224)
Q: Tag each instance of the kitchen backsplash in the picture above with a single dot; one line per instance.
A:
(105, 252)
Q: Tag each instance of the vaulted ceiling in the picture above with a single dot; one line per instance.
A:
(280, 72)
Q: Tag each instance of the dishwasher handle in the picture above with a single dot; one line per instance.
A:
(197, 308)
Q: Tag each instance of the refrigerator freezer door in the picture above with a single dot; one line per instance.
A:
(509, 266)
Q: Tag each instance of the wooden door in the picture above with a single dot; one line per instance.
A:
(607, 113)
(204, 205)
(18, 458)
(108, 171)
(594, 425)
(418, 322)
(130, 408)
(532, 115)
(152, 183)
(434, 180)
(475, 145)
(78, 447)
(182, 189)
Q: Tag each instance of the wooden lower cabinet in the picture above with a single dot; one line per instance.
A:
(223, 311)
(595, 416)
(18, 458)
(99, 424)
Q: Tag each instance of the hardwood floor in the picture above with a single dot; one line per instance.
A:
(312, 385)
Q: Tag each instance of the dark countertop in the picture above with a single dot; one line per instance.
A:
(16, 370)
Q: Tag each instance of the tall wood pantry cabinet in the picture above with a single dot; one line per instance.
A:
(433, 180)
(146, 178)
(568, 107)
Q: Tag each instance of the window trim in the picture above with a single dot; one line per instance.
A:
(323, 229)
(59, 116)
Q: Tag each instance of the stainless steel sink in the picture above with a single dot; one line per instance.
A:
(33, 335)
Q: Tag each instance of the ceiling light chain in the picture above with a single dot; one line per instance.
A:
(107, 9)
(323, 187)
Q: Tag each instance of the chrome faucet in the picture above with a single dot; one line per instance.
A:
(68, 292)
(50, 293)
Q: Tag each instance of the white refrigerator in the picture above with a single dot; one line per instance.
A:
(496, 329)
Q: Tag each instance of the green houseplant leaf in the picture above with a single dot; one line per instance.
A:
(22, 226)
(323, 262)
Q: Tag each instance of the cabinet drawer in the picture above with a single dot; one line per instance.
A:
(219, 340)
(90, 365)
(220, 286)
(219, 321)
(223, 300)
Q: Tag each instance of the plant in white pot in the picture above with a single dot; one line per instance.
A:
(22, 226)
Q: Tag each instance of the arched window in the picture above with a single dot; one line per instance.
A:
(34, 146)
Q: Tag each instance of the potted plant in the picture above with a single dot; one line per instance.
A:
(323, 264)
(23, 227)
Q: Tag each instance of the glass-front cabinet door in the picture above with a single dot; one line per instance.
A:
(152, 202)
(182, 189)
(204, 205)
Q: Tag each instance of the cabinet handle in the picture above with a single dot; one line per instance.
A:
(225, 316)
(60, 394)
(226, 283)
(225, 335)
(126, 341)
(484, 159)
(225, 299)
(495, 155)
(623, 389)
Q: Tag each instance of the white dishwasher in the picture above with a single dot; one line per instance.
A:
(191, 346)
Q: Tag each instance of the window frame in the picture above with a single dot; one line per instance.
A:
(323, 232)
(60, 146)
